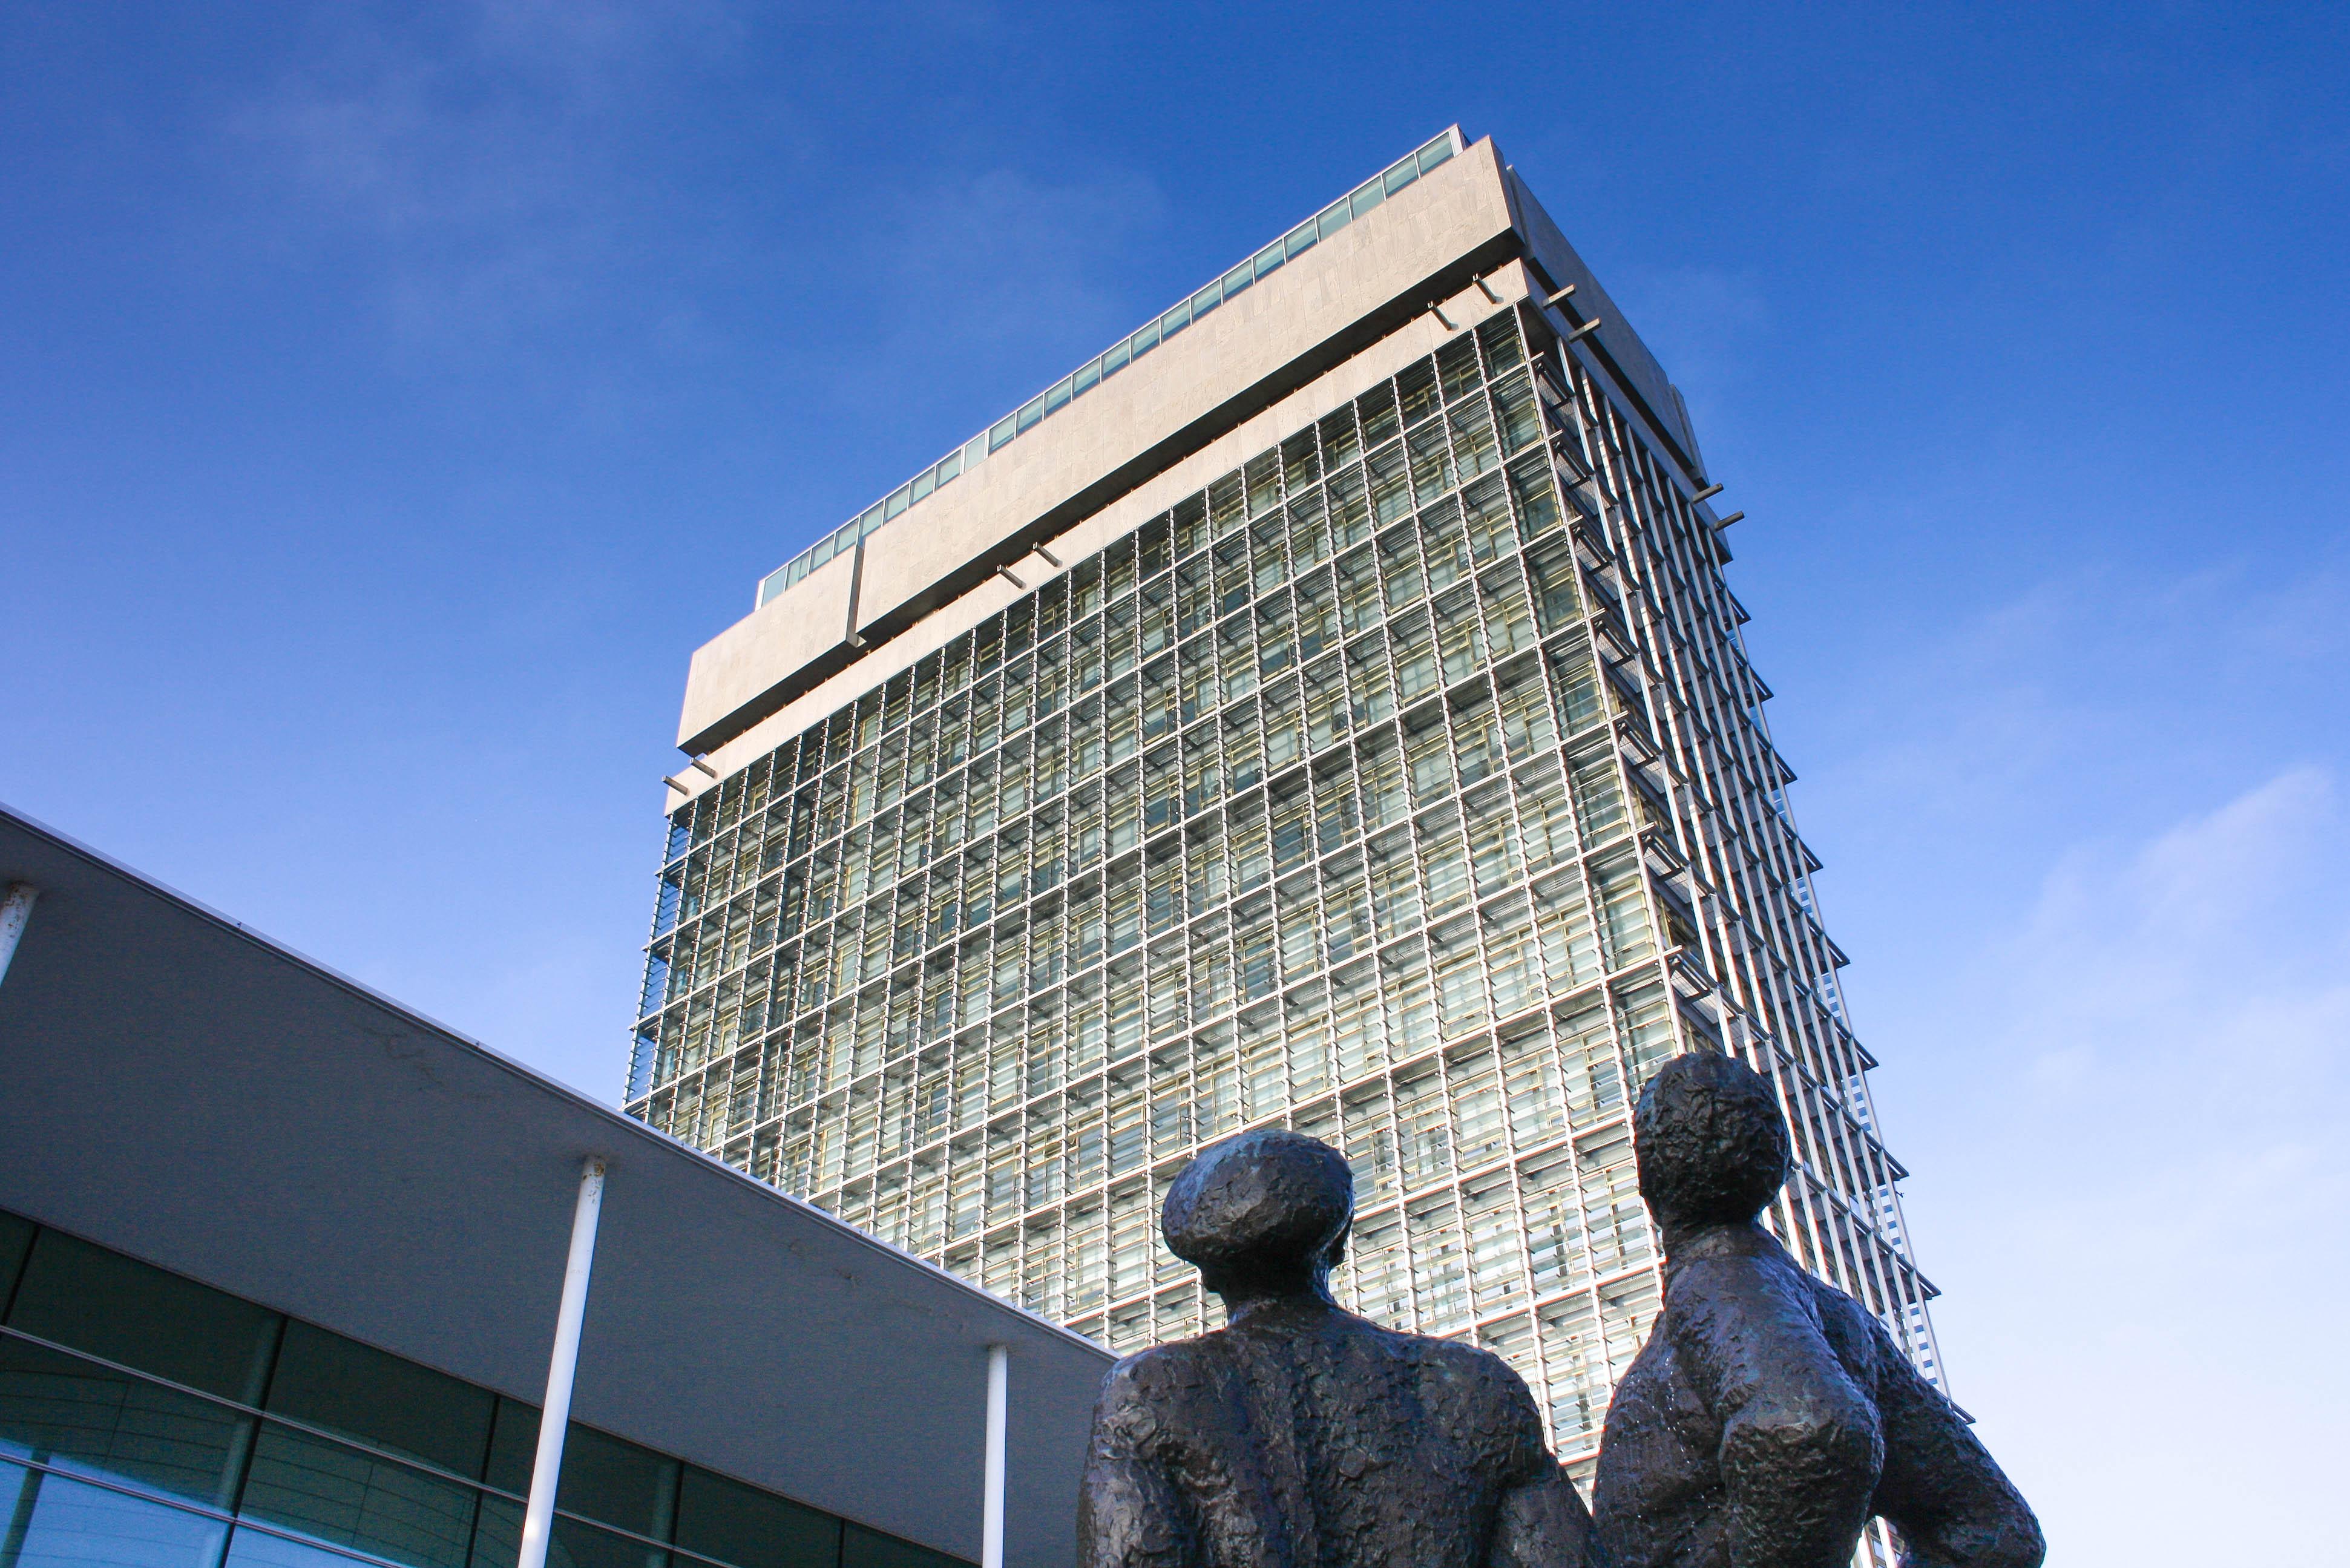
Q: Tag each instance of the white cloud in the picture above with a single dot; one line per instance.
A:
(474, 175)
(1015, 273)
(2139, 1189)
(2085, 843)
(2168, 924)
(1009, 258)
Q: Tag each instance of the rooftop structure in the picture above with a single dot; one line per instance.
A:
(1112, 360)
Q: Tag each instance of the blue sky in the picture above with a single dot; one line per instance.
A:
(393, 398)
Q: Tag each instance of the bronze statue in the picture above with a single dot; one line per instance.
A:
(1300, 1436)
(1768, 1416)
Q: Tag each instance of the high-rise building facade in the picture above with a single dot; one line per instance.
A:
(1325, 708)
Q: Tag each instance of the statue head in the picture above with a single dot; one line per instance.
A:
(1263, 1214)
(1711, 1141)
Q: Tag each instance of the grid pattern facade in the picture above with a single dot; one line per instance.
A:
(1407, 786)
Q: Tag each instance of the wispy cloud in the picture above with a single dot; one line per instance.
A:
(2030, 699)
(1016, 272)
(2094, 899)
(475, 172)
(2142, 1173)
(1013, 260)
(2209, 922)
(1009, 242)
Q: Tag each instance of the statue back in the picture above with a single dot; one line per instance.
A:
(1297, 1439)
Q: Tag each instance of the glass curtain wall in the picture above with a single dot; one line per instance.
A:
(1407, 786)
(152, 1422)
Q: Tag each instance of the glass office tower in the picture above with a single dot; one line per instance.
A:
(1405, 783)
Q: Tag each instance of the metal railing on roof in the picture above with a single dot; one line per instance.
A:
(1113, 359)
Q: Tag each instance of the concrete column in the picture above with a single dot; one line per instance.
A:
(546, 1467)
(991, 1527)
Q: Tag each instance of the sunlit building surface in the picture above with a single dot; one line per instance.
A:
(1325, 708)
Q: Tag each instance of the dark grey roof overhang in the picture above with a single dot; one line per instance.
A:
(184, 1090)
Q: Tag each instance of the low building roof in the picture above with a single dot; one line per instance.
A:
(183, 1089)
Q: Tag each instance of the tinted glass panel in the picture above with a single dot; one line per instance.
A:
(67, 1412)
(865, 1548)
(511, 1447)
(259, 1549)
(617, 1483)
(347, 1386)
(58, 1523)
(339, 1495)
(576, 1544)
(728, 1521)
(103, 1303)
(15, 1237)
(317, 1501)
(498, 1534)
(497, 1542)
(603, 1476)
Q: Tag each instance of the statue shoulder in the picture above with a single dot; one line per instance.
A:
(1859, 1339)
(1466, 1360)
(1151, 1397)
(1479, 1376)
(1482, 1401)
(1164, 1371)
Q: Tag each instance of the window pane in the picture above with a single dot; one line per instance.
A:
(497, 1541)
(259, 1549)
(16, 1240)
(347, 1386)
(616, 1482)
(865, 1548)
(103, 1303)
(498, 1534)
(58, 1523)
(512, 1447)
(735, 1524)
(81, 1417)
(574, 1544)
(343, 1497)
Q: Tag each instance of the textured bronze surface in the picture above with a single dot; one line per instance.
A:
(1300, 1436)
(1768, 1416)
